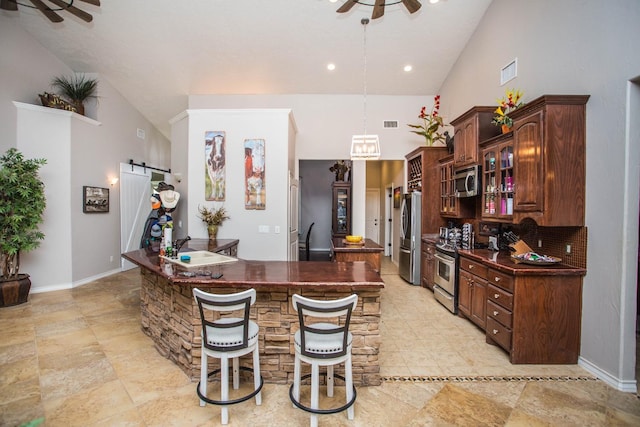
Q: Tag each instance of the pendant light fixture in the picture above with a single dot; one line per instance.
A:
(365, 147)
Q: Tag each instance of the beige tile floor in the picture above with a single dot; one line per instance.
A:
(78, 358)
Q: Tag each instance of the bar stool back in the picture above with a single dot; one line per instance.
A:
(323, 343)
(227, 338)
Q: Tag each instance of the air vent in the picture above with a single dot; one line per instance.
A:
(390, 124)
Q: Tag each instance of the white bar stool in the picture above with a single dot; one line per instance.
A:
(228, 338)
(323, 344)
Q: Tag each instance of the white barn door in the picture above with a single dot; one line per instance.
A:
(135, 192)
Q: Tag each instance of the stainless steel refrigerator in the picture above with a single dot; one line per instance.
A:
(410, 237)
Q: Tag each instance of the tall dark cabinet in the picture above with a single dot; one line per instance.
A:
(341, 209)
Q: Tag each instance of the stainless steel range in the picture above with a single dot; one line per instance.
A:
(445, 288)
(445, 281)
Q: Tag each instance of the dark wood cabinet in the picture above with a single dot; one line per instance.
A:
(423, 176)
(468, 130)
(472, 296)
(497, 178)
(549, 160)
(427, 265)
(450, 205)
(535, 318)
(532, 313)
(341, 209)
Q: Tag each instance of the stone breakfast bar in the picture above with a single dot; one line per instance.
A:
(170, 316)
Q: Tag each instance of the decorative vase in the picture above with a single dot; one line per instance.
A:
(213, 231)
(14, 291)
(506, 129)
(428, 141)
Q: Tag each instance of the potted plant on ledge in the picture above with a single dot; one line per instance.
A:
(431, 124)
(76, 89)
(506, 106)
(22, 204)
(213, 218)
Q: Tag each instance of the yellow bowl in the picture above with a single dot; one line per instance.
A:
(353, 239)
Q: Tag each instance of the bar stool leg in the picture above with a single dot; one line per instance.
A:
(349, 385)
(224, 388)
(315, 391)
(236, 373)
(203, 376)
(256, 374)
(296, 379)
(330, 380)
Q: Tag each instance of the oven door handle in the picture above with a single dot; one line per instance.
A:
(444, 258)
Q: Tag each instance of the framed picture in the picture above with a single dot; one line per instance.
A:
(215, 182)
(397, 196)
(95, 199)
(255, 187)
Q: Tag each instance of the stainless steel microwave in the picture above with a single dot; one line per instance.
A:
(467, 181)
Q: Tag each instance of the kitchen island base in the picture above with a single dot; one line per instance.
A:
(170, 317)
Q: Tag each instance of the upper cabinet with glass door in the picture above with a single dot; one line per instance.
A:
(497, 178)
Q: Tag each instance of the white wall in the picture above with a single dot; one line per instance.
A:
(90, 156)
(574, 47)
(275, 127)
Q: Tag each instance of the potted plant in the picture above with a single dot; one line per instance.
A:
(507, 105)
(431, 124)
(76, 89)
(213, 218)
(22, 204)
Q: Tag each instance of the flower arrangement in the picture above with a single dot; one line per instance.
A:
(432, 122)
(506, 105)
(212, 216)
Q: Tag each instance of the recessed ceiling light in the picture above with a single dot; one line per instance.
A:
(332, 1)
(331, 67)
(408, 68)
(434, 1)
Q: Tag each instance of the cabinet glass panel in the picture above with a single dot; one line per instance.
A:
(489, 182)
(342, 210)
(506, 180)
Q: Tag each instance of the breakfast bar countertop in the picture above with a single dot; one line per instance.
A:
(326, 275)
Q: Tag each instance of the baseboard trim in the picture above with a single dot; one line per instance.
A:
(627, 386)
(63, 286)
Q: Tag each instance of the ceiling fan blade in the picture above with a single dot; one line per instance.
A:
(412, 5)
(347, 6)
(8, 5)
(93, 2)
(73, 10)
(378, 9)
(53, 17)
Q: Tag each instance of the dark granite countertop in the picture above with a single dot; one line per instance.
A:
(502, 261)
(345, 276)
(338, 244)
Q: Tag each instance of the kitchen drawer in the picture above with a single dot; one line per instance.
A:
(500, 297)
(499, 313)
(498, 333)
(502, 280)
(473, 267)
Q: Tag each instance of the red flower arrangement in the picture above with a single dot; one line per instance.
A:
(432, 123)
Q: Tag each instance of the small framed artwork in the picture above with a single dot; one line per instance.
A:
(397, 196)
(95, 199)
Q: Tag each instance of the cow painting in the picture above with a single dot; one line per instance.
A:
(214, 151)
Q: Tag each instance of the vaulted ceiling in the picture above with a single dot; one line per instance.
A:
(156, 52)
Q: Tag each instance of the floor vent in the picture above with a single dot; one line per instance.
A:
(390, 124)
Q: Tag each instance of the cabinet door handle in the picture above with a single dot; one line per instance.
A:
(470, 266)
(496, 296)
(495, 313)
(495, 332)
(496, 279)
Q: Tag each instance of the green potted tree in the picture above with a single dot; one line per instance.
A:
(22, 204)
(76, 89)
